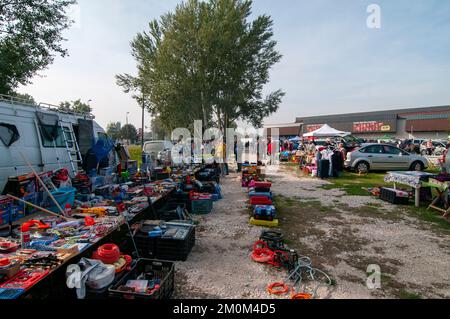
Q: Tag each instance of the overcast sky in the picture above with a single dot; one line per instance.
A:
(332, 62)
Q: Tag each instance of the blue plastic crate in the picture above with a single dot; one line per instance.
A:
(10, 293)
(4, 217)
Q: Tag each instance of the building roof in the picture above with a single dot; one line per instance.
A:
(376, 115)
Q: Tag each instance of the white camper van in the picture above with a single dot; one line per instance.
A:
(49, 139)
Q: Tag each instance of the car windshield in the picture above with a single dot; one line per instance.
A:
(154, 147)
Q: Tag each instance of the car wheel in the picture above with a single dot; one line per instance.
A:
(362, 167)
(417, 166)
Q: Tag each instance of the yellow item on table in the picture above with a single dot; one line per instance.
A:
(99, 211)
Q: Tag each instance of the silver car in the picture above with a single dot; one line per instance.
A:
(159, 151)
(384, 157)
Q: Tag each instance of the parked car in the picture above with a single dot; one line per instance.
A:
(384, 157)
(439, 148)
(159, 151)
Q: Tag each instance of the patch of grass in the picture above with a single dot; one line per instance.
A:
(135, 153)
(404, 294)
(352, 183)
(430, 216)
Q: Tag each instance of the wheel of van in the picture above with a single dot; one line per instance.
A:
(362, 167)
(417, 166)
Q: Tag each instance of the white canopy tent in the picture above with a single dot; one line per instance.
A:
(295, 139)
(326, 131)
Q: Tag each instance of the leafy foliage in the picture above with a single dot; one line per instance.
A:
(75, 106)
(205, 61)
(129, 132)
(113, 130)
(30, 37)
(24, 97)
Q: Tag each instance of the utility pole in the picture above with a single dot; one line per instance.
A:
(128, 131)
(143, 115)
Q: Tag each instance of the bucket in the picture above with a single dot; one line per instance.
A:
(64, 196)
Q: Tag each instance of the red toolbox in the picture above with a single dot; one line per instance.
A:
(260, 200)
(262, 185)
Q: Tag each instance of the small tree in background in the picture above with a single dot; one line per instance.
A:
(75, 106)
(129, 132)
(113, 130)
(24, 97)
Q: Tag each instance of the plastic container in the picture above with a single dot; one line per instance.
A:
(4, 217)
(394, 196)
(63, 196)
(260, 200)
(201, 206)
(166, 248)
(171, 211)
(154, 270)
(261, 185)
(7, 294)
(176, 249)
(262, 194)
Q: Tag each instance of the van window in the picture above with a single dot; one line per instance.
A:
(47, 131)
(8, 134)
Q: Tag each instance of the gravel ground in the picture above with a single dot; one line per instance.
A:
(413, 256)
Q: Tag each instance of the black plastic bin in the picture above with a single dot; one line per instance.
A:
(181, 198)
(156, 270)
(166, 248)
(390, 195)
(175, 249)
(170, 211)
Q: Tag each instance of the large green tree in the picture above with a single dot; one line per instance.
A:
(30, 38)
(207, 61)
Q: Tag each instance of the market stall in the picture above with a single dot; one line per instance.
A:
(50, 221)
(409, 178)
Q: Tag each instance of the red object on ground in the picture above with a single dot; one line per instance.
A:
(262, 253)
(278, 288)
(262, 185)
(260, 200)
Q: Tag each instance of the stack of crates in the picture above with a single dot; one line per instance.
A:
(5, 210)
(264, 214)
(176, 248)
